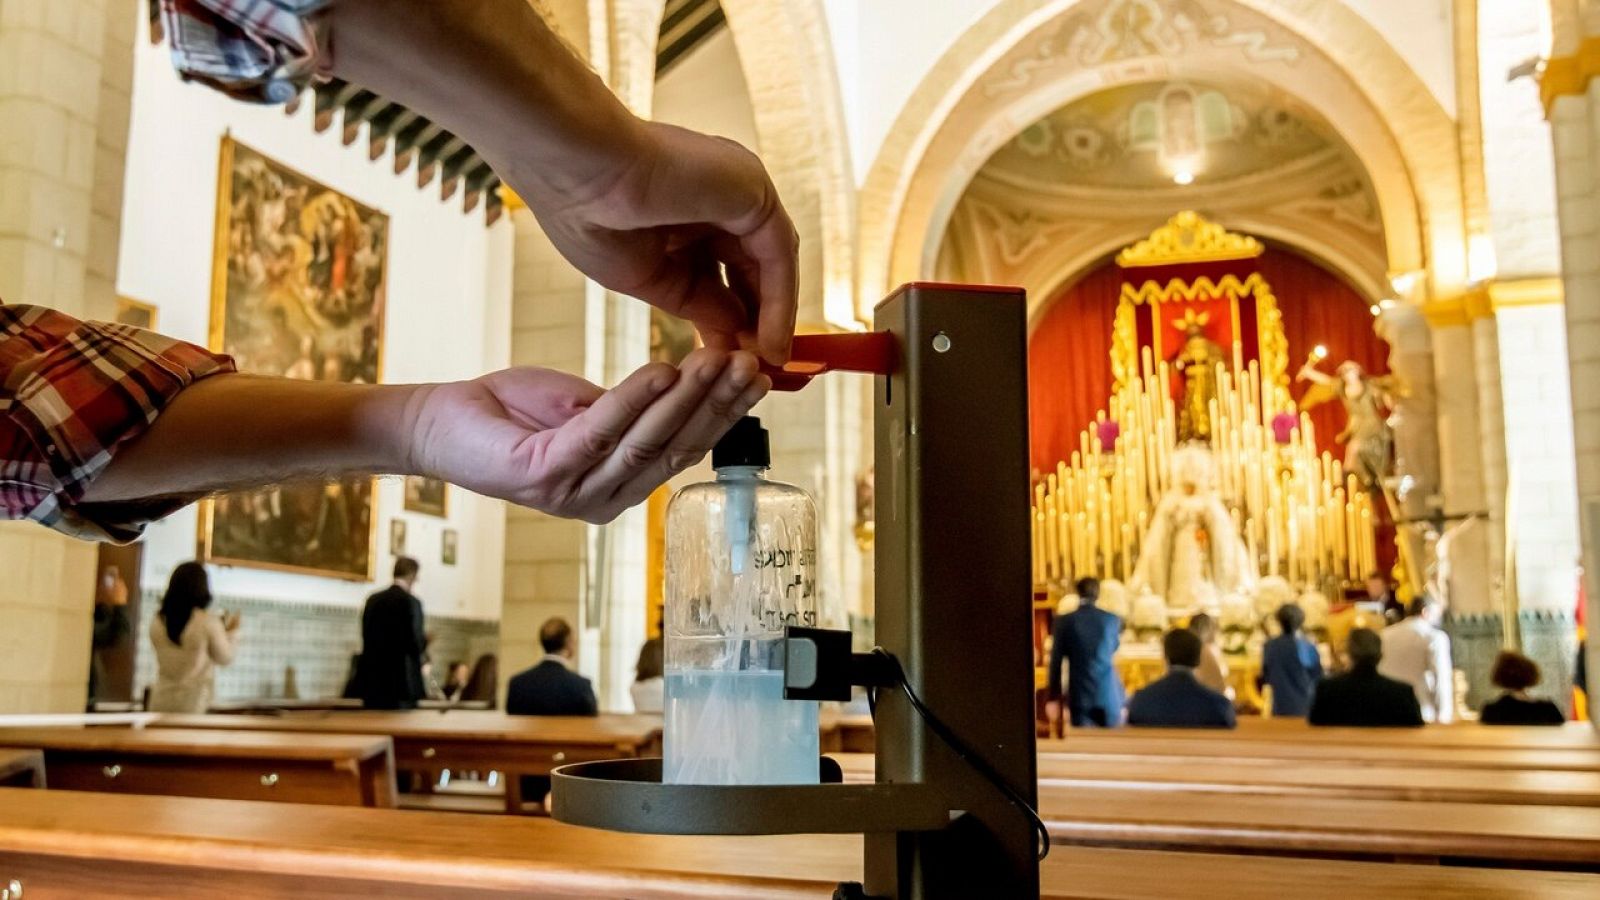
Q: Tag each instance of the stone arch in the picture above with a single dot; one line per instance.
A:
(1024, 59)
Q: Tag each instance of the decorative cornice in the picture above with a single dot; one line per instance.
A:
(1189, 237)
(1446, 313)
(1547, 291)
(1568, 75)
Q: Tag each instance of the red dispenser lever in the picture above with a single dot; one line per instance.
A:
(812, 354)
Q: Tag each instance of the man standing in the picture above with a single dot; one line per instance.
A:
(1290, 664)
(1178, 699)
(1086, 638)
(552, 688)
(389, 673)
(1417, 652)
(1381, 595)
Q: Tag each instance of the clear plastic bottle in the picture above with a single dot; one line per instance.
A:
(741, 564)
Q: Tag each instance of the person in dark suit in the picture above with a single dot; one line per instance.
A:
(1178, 699)
(1514, 674)
(551, 688)
(1361, 696)
(1086, 638)
(389, 670)
(1290, 664)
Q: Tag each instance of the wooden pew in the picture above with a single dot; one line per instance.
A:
(1324, 778)
(1192, 748)
(1571, 736)
(21, 768)
(1523, 836)
(467, 740)
(355, 770)
(94, 846)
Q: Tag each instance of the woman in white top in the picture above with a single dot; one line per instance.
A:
(647, 678)
(189, 642)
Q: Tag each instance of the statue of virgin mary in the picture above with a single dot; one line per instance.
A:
(1192, 555)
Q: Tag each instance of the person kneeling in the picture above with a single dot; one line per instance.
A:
(1178, 699)
(1361, 696)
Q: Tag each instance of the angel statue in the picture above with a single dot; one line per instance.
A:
(1192, 555)
(1367, 437)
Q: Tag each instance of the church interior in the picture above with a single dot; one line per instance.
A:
(1175, 366)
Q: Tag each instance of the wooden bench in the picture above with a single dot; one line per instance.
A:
(1309, 779)
(91, 846)
(344, 769)
(21, 768)
(467, 740)
(1193, 749)
(1524, 836)
(1571, 736)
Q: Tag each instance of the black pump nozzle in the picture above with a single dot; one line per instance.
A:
(745, 444)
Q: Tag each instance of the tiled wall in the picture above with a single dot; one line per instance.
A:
(1548, 638)
(316, 639)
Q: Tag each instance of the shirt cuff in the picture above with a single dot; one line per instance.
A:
(90, 388)
(261, 51)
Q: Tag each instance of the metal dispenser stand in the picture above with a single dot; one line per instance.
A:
(953, 592)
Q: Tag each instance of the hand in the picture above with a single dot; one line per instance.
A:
(557, 443)
(1052, 715)
(684, 206)
(231, 621)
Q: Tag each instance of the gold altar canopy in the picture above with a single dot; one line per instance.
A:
(1188, 417)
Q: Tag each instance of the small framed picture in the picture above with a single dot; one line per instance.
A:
(428, 496)
(133, 312)
(448, 550)
(397, 537)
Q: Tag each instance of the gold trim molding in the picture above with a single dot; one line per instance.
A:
(1565, 76)
(1547, 291)
(1189, 237)
(1272, 348)
(1484, 300)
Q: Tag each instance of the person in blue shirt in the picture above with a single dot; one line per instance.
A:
(1086, 638)
(1178, 699)
(1290, 665)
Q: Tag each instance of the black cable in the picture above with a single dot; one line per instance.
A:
(961, 750)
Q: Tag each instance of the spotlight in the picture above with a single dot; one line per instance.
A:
(1376, 310)
(1183, 176)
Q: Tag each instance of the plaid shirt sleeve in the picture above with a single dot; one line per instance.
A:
(264, 51)
(71, 394)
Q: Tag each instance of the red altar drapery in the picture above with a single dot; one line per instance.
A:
(1069, 362)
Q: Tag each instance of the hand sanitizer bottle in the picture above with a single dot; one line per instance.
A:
(741, 556)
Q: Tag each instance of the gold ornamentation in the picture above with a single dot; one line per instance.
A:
(1569, 75)
(1273, 347)
(1188, 237)
(1527, 292)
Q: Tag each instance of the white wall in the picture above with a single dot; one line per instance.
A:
(1539, 453)
(1516, 140)
(448, 296)
(706, 91)
(884, 48)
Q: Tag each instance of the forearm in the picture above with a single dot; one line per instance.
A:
(237, 431)
(467, 64)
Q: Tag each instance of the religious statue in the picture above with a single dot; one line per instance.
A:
(1197, 362)
(1367, 437)
(1192, 555)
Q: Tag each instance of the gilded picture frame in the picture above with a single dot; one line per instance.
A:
(137, 313)
(429, 496)
(299, 287)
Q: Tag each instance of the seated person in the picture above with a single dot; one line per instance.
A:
(1178, 699)
(552, 688)
(1361, 696)
(649, 681)
(1514, 673)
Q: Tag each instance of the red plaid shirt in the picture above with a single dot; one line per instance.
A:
(71, 392)
(259, 50)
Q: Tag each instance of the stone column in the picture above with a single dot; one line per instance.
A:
(1572, 103)
(64, 92)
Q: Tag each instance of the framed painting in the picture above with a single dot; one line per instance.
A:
(448, 547)
(297, 291)
(429, 496)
